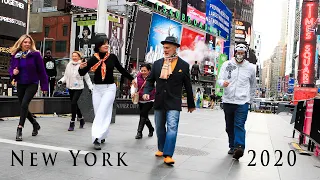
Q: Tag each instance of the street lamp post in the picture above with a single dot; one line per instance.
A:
(28, 17)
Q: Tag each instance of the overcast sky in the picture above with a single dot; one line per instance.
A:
(267, 21)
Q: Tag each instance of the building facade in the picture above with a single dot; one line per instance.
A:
(53, 33)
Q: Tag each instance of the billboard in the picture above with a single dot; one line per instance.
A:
(92, 4)
(219, 90)
(83, 30)
(116, 32)
(169, 4)
(196, 10)
(219, 17)
(243, 32)
(193, 47)
(307, 43)
(160, 28)
(13, 18)
(190, 39)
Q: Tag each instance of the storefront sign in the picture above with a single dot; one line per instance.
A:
(307, 43)
(183, 18)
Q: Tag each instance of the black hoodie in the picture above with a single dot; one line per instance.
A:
(50, 65)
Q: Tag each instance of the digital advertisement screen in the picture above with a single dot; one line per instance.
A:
(13, 18)
(161, 27)
(196, 10)
(243, 32)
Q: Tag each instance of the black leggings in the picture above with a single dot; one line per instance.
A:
(145, 108)
(74, 97)
(25, 95)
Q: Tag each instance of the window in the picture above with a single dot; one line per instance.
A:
(258, 41)
(38, 45)
(46, 31)
(61, 46)
(65, 30)
(47, 3)
(48, 44)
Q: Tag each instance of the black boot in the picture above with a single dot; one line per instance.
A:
(81, 123)
(97, 145)
(151, 129)
(19, 134)
(36, 128)
(71, 126)
(140, 128)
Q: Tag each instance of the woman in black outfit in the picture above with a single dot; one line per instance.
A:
(104, 90)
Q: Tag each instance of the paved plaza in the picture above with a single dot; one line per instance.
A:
(201, 152)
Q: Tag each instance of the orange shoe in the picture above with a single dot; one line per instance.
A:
(159, 154)
(168, 160)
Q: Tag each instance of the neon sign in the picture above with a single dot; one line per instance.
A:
(307, 43)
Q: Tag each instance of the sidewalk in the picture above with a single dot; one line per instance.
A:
(201, 152)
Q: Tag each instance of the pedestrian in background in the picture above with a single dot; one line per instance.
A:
(27, 69)
(51, 70)
(198, 98)
(75, 85)
(144, 105)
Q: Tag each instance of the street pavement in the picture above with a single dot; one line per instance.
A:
(201, 151)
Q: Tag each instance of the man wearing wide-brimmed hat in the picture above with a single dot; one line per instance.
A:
(170, 74)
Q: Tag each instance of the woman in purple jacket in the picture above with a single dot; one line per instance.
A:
(27, 68)
(145, 106)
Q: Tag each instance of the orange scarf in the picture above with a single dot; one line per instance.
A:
(103, 65)
(168, 67)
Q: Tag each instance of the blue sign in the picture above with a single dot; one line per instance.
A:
(291, 85)
(279, 84)
(219, 17)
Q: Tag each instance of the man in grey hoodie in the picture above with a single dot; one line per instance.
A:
(238, 78)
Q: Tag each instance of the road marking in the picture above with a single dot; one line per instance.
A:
(41, 146)
(197, 136)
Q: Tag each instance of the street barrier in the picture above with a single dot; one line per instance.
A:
(307, 123)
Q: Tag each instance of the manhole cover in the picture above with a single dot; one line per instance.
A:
(182, 151)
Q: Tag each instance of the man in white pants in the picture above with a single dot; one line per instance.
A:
(238, 78)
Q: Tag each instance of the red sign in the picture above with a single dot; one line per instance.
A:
(307, 43)
(308, 117)
(304, 93)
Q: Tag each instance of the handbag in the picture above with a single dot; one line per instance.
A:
(135, 97)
